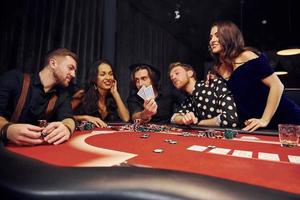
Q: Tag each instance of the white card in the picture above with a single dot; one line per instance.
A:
(249, 138)
(150, 92)
(242, 154)
(197, 148)
(294, 159)
(221, 151)
(141, 92)
(268, 156)
(147, 94)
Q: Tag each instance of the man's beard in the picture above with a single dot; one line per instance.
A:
(60, 81)
(184, 87)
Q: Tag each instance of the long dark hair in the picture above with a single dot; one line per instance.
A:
(92, 96)
(232, 42)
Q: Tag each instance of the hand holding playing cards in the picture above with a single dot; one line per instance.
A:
(189, 118)
(150, 108)
(146, 93)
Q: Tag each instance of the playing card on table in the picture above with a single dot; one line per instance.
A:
(141, 92)
(149, 92)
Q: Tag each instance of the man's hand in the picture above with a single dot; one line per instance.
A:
(150, 108)
(56, 133)
(24, 134)
(189, 118)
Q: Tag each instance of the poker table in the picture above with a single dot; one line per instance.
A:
(119, 164)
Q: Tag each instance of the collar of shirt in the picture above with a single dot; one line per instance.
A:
(38, 83)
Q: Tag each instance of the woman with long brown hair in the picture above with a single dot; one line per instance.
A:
(100, 101)
(256, 89)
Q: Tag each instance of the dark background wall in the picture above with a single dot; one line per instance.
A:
(130, 31)
(141, 39)
(30, 28)
(93, 29)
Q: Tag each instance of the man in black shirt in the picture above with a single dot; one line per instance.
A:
(210, 104)
(48, 85)
(158, 109)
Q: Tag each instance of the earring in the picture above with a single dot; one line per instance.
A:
(95, 86)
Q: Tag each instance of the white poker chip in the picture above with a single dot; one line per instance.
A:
(173, 142)
(145, 136)
(158, 150)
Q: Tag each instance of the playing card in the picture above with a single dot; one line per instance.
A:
(222, 151)
(141, 92)
(243, 154)
(197, 148)
(268, 156)
(149, 92)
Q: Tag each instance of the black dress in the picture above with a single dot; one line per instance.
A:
(112, 113)
(251, 94)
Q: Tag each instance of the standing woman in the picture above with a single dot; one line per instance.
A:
(256, 89)
(100, 102)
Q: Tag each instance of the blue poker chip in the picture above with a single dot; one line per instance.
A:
(229, 134)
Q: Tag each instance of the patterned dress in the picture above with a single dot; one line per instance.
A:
(209, 101)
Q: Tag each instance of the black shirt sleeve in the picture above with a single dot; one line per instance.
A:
(186, 107)
(135, 104)
(10, 89)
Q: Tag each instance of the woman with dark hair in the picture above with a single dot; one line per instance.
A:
(100, 101)
(256, 89)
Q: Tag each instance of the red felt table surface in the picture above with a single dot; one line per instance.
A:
(82, 148)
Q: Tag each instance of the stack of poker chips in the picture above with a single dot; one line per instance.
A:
(230, 134)
(211, 133)
(151, 128)
(136, 124)
(42, 123)
(84, 125)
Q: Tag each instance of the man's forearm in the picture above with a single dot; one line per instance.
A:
(70, 124)
(4, 124)
(141, 115)
(177, 118)
(209, 122)
(3, 121)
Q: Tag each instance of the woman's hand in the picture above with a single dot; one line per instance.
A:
(114, 88)
(253, 124)
(209, 77)
(95, 120)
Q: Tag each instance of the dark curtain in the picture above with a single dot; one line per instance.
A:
(30, 28)
(139, 38)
